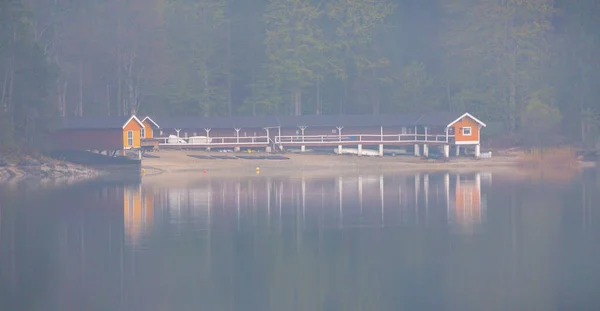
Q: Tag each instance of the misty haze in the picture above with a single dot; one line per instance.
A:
(299, 155)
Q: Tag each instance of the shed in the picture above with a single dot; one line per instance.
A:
(100, 133)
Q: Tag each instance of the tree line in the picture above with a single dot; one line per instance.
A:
(525, 66)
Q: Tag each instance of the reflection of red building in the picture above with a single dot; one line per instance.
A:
(137, 212)
(467, 209)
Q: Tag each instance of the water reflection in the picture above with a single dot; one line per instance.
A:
(372, 242)
(342, 202)
(138, 212)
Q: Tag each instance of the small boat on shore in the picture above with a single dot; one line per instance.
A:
(365, 152)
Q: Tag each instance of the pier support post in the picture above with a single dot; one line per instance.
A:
(268, 149)
(381, 150)
(425, 150)
(359, 150)
(302, 148)
(457, 150)
(339, 149)
(477, 151)
(417, 153)
(446, 151)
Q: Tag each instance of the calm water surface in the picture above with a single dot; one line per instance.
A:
(414, 242)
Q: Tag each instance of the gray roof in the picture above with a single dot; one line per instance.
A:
(438, 118)
(91, 122)
(426, 119)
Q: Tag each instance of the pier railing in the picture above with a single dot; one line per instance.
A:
(364, 139)
(215, 141)
(297, 140)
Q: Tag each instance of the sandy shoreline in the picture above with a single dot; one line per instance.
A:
(176, 166)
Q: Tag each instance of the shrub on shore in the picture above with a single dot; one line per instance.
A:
(555, 157)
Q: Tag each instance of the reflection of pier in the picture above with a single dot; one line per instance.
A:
(362, 201)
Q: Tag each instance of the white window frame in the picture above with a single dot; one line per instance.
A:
(129, 138)
(469, 129)
(143, 133)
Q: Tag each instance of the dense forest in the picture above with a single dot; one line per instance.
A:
(528, 66)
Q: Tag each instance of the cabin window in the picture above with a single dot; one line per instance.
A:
(129, 138)
(466, 131)
(143, 133)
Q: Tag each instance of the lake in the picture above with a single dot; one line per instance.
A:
(440, 241)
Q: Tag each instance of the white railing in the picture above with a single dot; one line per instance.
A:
(327, 139)
(216, 141)
(306, 139)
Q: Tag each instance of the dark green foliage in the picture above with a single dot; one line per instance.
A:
(492, 58)
(26, 79)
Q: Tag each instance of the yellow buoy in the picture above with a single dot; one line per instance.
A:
(143, 171)
(257, 170)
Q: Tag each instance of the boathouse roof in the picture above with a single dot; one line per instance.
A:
(441, 119)
(94, 122)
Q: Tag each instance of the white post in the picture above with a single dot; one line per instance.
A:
(237, 134)
(207, 138)
(268, 139)
(425, 150)
(477, 151)
(339, 128)
(279, 138)
(339, 149)
(381, 134)
(417, 153)
(457, 150)
(302, 128)
(359, 150)
(381, 150)
(177, 130)
(425, 136)
(446, 151)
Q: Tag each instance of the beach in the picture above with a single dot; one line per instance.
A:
(180, 166)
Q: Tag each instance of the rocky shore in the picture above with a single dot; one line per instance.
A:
(43, 168)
